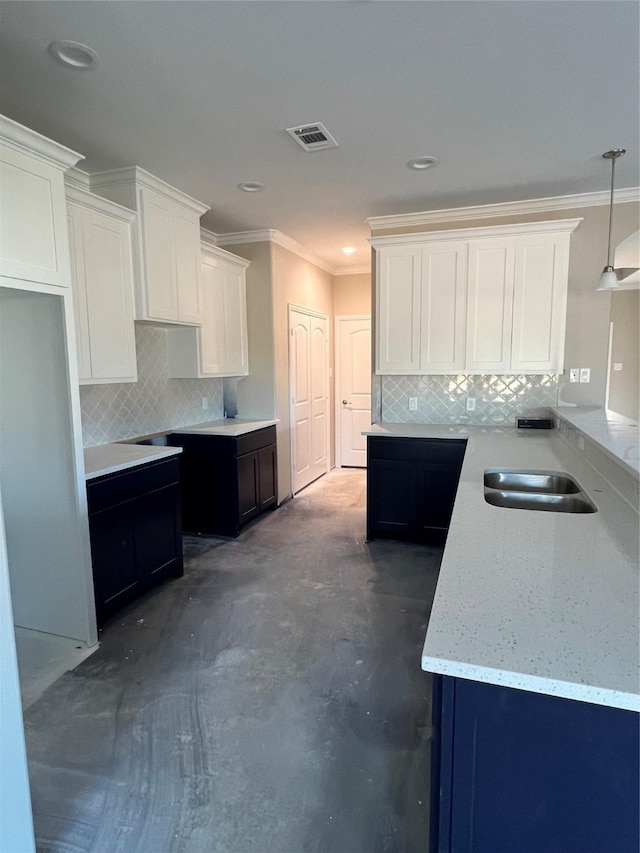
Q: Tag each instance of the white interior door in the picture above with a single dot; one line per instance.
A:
(308, 379)
(353, 389)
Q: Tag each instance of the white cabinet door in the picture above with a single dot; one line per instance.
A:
(212, 333)
(81, 319)
(443, 307)
(160, 296)
(489, 305)
(539, 303)
(219, 347)
(33, 220)
(398, 309)
(186, 227)
(109, 287)
(223, 336)
(234, 301)
(102, 285)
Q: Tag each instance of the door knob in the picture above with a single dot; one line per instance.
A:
(344, 402)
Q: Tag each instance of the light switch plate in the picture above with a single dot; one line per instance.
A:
(585, 374)
(617, 365)
(574, 374)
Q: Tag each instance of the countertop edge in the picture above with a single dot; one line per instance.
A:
(151, 454)
(533, 683)
(231, 427)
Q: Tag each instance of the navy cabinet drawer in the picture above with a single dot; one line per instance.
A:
(255, 440)
(114, 489)
(417, 449)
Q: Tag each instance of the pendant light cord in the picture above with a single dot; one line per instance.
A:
(613, 170)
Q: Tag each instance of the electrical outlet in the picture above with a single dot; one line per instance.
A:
(617, 365)
(585, 374)
(574, 374)
(581, 442)
(413, 404)
(471, 404)
(205, 403)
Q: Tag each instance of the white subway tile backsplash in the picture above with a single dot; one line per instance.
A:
(152, 404)
(443, 399)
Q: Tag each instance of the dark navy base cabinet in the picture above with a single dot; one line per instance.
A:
(411, 486)
(227, 480)
(136, 535)
(519, 771)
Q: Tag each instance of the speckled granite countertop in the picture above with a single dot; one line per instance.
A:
(110, 458)
(228, 426)
(541, 601)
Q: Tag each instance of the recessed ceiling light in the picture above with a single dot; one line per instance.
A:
(73, 55)
(348, 250)
(251, 187)
(421, 163)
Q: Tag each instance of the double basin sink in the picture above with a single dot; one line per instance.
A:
(549, 491)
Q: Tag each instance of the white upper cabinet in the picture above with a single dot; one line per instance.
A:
(442, 314)
(219, 347)
(489, 305)
(33, 220)
(539, 303)
(102, 283)
(398, 282)
(479, 300)
(166, 244)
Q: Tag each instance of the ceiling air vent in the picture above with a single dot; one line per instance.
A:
(312, 137)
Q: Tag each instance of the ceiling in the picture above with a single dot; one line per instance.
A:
(518, 100)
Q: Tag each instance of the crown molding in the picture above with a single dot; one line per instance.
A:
(75, 177)
(364, 269)
(212, 251)
(271, 235)
(551, 225)
(263, 236)
(26, 141)
(80, 197)
(208, 237)
(134, 174)
(510, 208)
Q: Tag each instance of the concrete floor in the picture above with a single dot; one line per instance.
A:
(270, 701)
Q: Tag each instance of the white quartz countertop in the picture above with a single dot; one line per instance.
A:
(617, 435)
(110, 458)
(542, 601)
(228, 426)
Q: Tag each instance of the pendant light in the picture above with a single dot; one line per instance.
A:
(609, 279)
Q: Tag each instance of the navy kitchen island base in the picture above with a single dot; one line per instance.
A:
(411, 487)
(519, 771)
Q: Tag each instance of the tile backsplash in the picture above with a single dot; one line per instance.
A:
(152, 404)
(442, 399)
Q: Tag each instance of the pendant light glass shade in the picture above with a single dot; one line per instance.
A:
(609, 279)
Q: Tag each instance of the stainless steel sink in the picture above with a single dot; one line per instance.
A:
(548, 482)
(546, 491)
(539, 501)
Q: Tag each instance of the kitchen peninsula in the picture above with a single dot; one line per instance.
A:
(533, 643)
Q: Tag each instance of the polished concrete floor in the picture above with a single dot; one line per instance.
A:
(270, 701)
